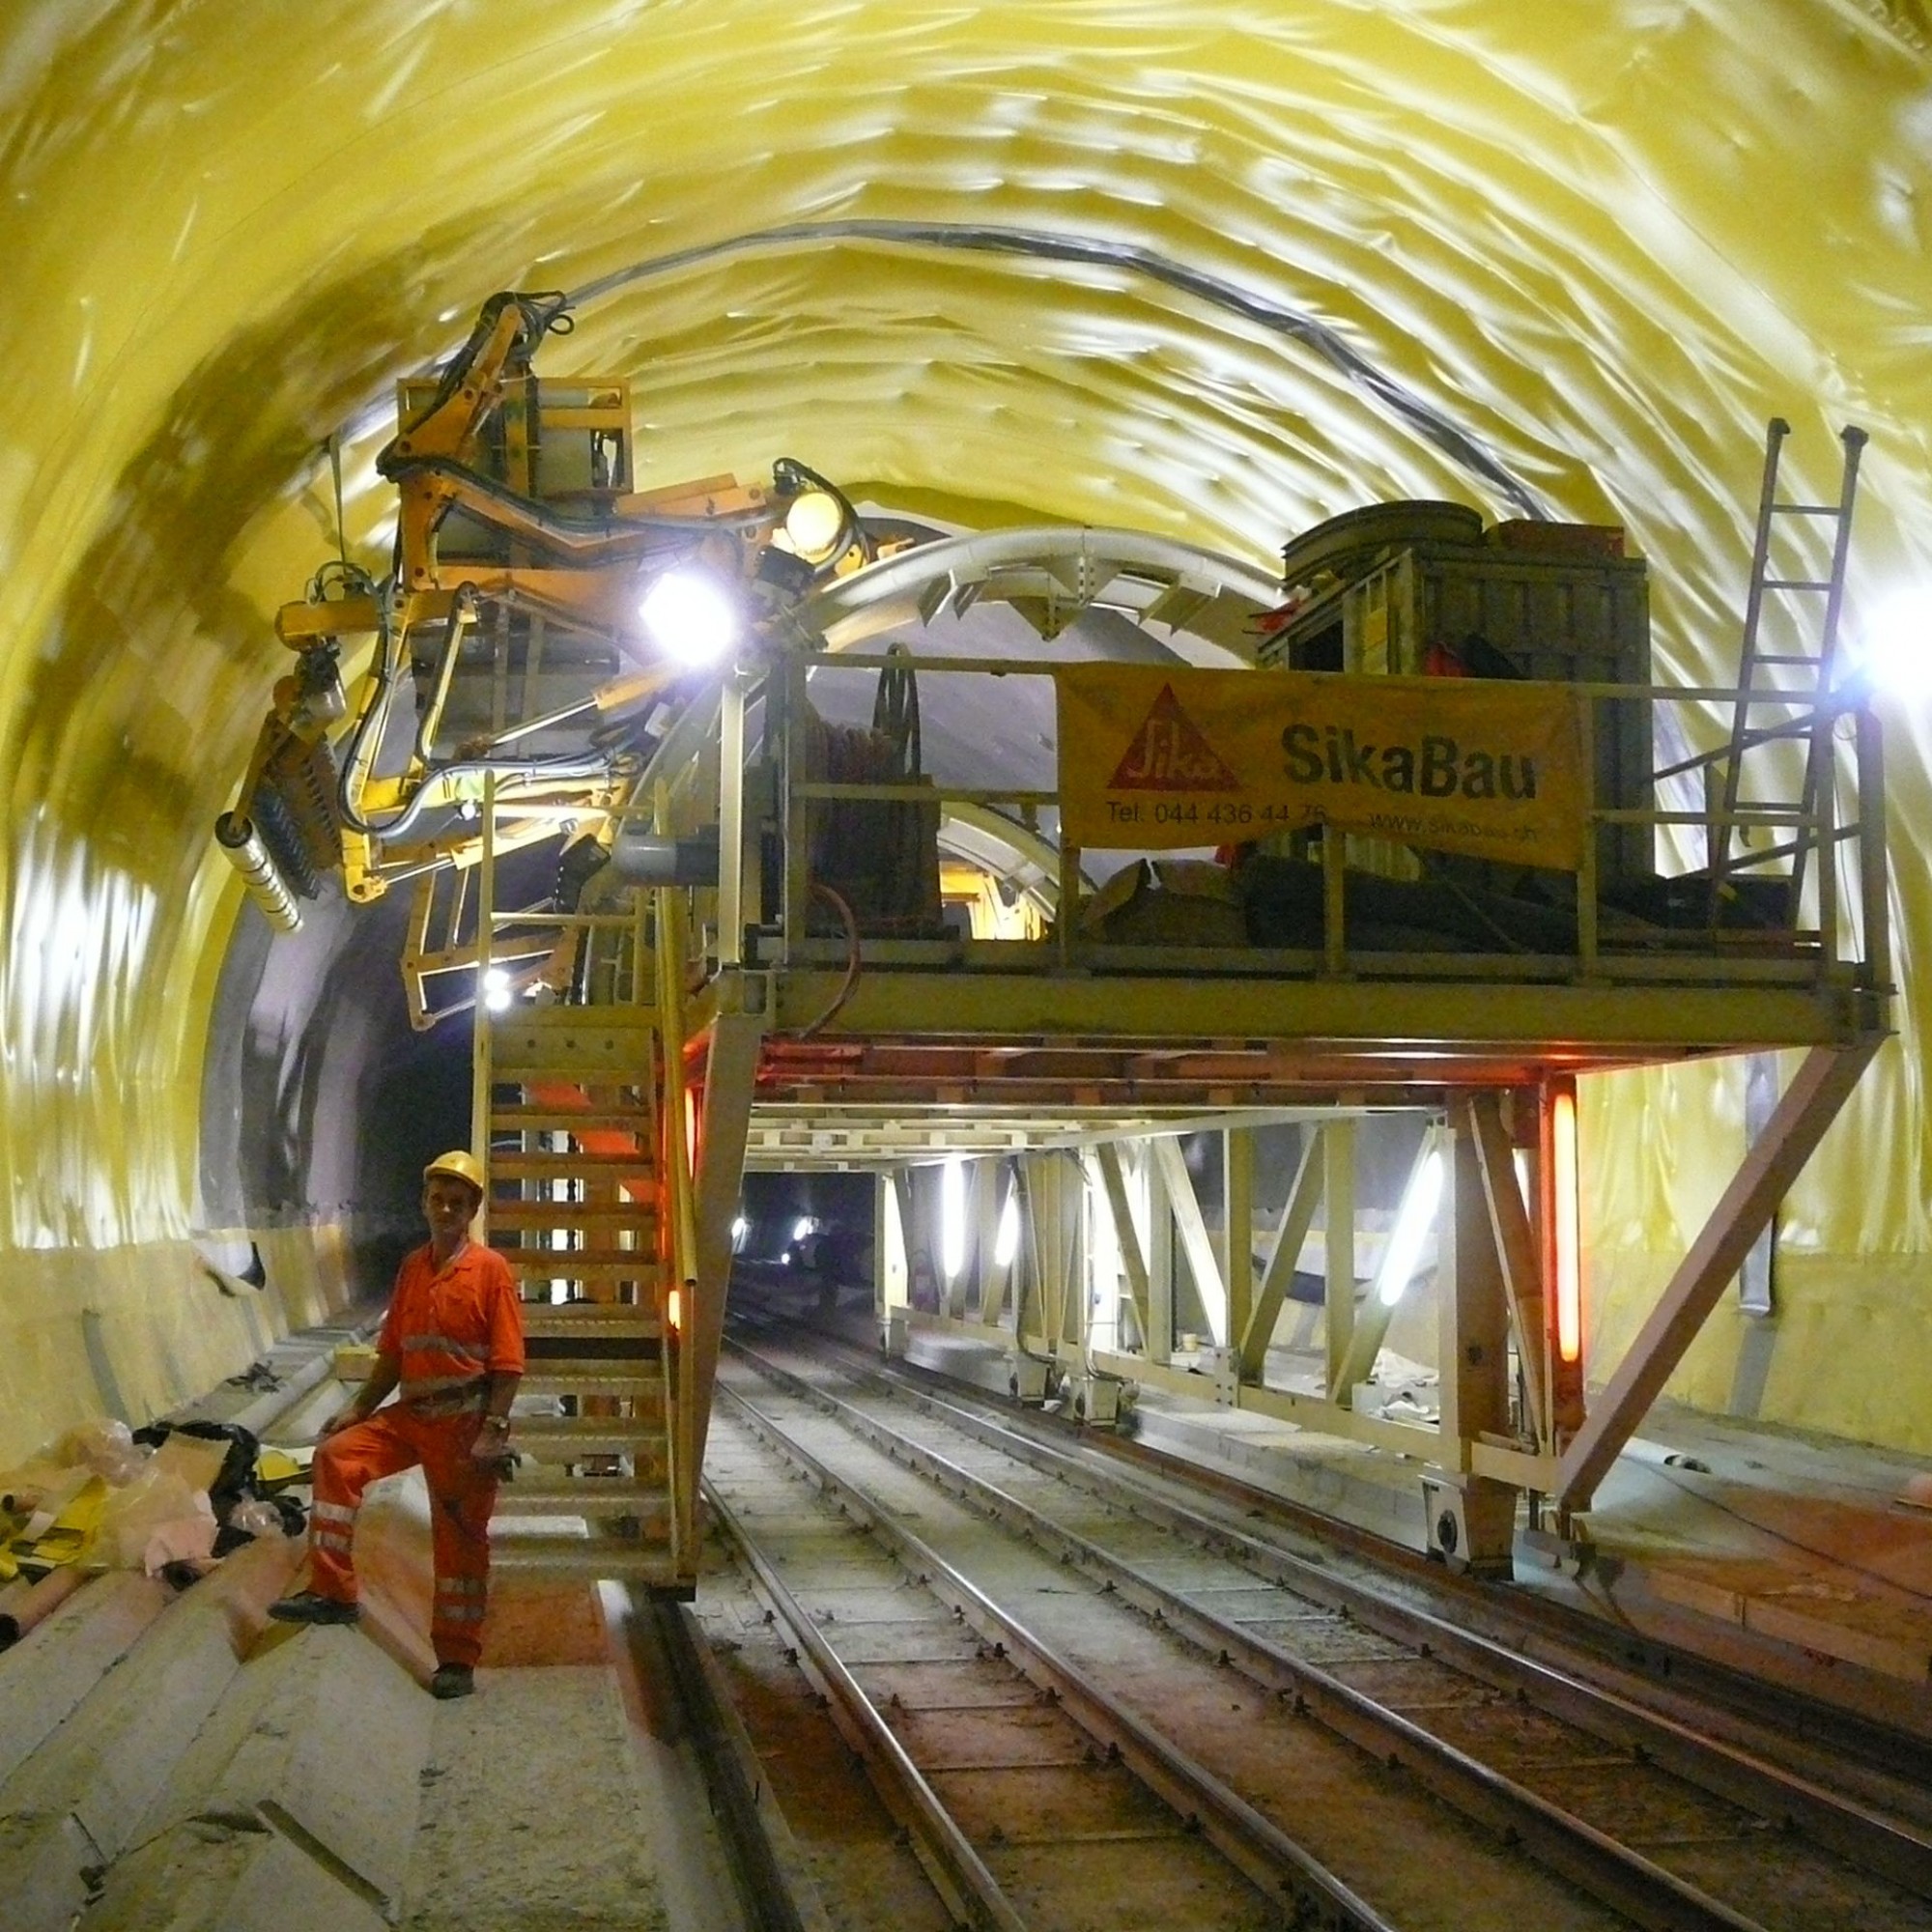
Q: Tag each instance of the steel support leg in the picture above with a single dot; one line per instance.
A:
(730, 1075)
(1808, 1106)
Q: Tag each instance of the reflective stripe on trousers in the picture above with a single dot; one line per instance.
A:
(461, 1492)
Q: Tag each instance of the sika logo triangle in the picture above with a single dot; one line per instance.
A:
(1169, 753)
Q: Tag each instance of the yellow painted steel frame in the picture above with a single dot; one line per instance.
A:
(679, 1156)
(924, 1027)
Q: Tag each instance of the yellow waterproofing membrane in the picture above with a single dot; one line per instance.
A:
(1214, 271)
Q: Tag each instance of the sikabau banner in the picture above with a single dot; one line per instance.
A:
(1153, 758)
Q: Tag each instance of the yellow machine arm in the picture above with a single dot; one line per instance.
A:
(523, 557)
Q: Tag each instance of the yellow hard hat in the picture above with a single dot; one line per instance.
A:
(460, 1162)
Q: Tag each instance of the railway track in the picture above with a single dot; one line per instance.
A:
(1409, 1772)
(1029, 1796)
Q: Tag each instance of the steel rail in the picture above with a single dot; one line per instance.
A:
(1614, 1873)
(657, 1635)
(1848, 1827)
(1521, 1631)
(969, 1892)
(1251, 1842)
(1861, 1747)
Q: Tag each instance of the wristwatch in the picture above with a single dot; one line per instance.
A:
(496, 1422)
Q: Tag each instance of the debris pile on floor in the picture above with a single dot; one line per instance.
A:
(170, 1500)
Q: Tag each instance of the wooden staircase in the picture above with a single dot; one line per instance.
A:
(573, 1157)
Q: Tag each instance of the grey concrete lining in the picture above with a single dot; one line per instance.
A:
(228, 1875)
(74, 1806)
(325, 1735)
(53, 1667)
(534, 1818)
(1376, 1492)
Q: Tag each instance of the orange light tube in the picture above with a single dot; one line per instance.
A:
(1569, 1239)
(691, 1131)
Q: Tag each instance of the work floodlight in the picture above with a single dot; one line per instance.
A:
(814, 523)
(1894, 650)
(1412, 1222)
(1007, 1242)
(691, 617)
(1567, 1228)
(495, 989)
(952, 1218)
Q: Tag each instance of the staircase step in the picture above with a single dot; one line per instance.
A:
(549, 1215)
(589, 1376)
(581, 1042)
(577, 1164)
(590, 1497)
(566, 1018)
(541, 1116)
(605, 1332)
(570, 1440)
(601, 1265)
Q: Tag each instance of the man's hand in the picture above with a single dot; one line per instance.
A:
(343, 1418)
(493, 1440)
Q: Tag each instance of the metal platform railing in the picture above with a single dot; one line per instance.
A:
(1830, 931)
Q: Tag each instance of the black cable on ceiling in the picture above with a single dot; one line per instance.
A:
(1428, 422)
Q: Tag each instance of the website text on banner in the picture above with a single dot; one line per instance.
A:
(1152, 758)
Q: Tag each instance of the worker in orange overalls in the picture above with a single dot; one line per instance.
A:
(452, 1345)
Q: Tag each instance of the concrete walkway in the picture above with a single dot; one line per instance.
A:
(181, 1760)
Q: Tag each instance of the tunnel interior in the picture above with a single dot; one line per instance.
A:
(1204, 274)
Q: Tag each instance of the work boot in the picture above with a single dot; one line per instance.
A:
(308, 1607)
(452, 1679)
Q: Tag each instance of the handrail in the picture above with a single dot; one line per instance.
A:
(1828, 946)
(668, 954)
(480, 1041)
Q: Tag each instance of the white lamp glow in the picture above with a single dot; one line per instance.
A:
(495, 989)
(952, 1218)
(1007, 1242)
(1412, 1222)
(690, 616)
(1895, 645)
(813, 523)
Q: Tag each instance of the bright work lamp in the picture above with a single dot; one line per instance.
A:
(813, 524)
(1007, 1242)
(691, 617)
(952, 1218)
(1895, 645)
(1412, 1222)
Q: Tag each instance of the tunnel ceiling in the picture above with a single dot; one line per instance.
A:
(1217, 271)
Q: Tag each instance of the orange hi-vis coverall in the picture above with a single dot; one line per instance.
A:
(449, 1333)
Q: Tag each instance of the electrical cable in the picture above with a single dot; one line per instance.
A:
(531, 771)
(1408, 406)
(1750, 1522)
(335, 468)
(845, 993)
(461, 612)
(383, 675)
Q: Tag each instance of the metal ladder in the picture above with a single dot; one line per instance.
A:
(1799, 674)
(579, 1118)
